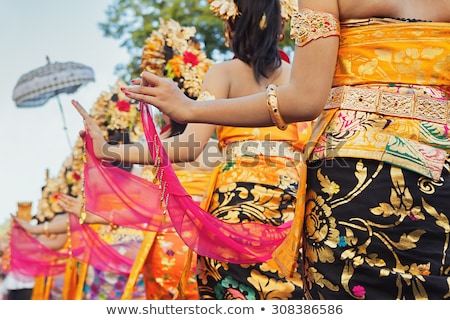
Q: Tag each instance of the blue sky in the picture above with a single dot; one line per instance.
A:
(33, 139)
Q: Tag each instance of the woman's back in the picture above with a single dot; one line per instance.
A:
(432, 10)
(238, 79)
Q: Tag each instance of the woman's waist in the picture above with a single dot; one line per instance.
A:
(227, 134)
(400, 125)
(412, 102)
(256, 148)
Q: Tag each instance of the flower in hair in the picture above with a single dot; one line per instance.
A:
(227, 9)
(287, 8)
(171, 51)
(123, 105)
(113, 110)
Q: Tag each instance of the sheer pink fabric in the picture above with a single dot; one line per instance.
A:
(125, 199)
(87, 246)
(32, 258)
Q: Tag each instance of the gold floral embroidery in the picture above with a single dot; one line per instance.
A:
(320, 230)
(208, 268)
(270, 288)
(322, 235)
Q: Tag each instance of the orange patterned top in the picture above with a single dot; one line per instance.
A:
(410, 76)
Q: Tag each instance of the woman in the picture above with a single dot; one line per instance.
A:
(259, 179)
(103, 278)
(169, 268)
(376, 222)
(166, 262)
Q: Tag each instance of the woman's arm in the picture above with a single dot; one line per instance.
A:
(56, 226)
(55, 242)
(73, 205)
(129, 153)
(182, 148)
(302, 99)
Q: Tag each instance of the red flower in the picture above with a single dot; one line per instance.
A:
(123, 105)
(76, 176)
(54, 197)
(191, 58)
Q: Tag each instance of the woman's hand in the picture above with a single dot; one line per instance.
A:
(73, 205)
(70, 204)
(33, 229)
(163, 93)
(98, 139)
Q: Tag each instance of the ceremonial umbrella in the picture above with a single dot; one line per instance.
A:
(36, 87)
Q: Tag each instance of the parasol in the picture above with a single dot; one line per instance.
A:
(36, 87)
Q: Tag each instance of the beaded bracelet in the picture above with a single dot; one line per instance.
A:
(46, 231)
(272, 105)
(83, 214)
(308, 25)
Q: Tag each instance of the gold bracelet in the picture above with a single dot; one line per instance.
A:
(272, 105)
(308, 25)
(46, 232)
(83, 216)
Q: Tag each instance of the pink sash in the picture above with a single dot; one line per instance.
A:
(128, 200)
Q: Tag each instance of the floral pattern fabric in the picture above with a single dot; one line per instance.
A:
(381, 234)
(260, 189)
(164, 267)
(101, 285)
(168, 269)
(377, 209)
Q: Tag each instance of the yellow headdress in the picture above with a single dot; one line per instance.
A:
(171, 51)
(113, 110)
(227, 9)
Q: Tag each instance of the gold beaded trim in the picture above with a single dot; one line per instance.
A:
(83, 214)
(272, 105)
(390, 104)
(308, 25)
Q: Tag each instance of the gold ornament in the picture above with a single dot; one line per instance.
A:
(171, 51)
(227, 9)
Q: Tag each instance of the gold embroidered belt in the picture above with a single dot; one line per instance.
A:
(391, 104)
(252, 148)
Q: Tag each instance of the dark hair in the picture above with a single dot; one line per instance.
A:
(176, 128)
(118, 136)
(255, 46)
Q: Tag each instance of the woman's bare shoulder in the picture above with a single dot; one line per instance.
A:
(430, 10)
(218, 79)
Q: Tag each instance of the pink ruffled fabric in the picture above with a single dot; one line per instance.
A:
(29, 257)
(32, 258)
(87, 246)
(128, 200)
